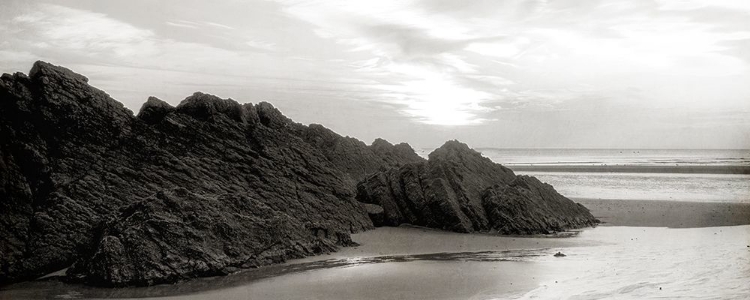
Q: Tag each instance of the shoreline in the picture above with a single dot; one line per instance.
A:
(683, 169)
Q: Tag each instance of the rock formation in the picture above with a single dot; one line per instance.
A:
(82, 179)
(179, 234)
(212, 185)
(355, 158)
(460, 190)
(529, 206)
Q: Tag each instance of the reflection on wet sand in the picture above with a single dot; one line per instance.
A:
(52, 287)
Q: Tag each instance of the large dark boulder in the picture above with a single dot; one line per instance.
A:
(212, 185)
(83, 180)
(460, 190)
(529, 206)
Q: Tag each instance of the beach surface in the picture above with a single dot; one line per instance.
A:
(418, 263)
(662, 213)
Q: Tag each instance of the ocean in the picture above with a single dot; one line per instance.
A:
(634, 174)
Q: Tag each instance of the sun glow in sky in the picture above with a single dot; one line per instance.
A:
(564, 73)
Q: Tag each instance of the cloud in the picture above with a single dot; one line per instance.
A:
(146, 62)
(263, 45)
(182, 23)
(63, 28)
(479, 65)
(419, 67)
(434, 57)
(90, 37)
(219, 25)
(537, 45)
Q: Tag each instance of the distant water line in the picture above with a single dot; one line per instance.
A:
(614, 157)
(634, 174)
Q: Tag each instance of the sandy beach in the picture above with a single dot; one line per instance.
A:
(432, 256)
(421, 263)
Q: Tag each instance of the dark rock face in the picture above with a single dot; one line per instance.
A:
(82, 179)
(444, 192)
(212, 185)
(457, 189)
(529, 206)
(154, 110)
(55, 133)
(178, 234)
(204, 107)
(353, 156)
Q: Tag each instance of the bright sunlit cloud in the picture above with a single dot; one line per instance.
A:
(608, 44)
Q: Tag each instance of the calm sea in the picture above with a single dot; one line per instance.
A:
(633, 177)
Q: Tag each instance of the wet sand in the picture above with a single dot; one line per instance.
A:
(673, 214)
(391, 262)
(419, 263)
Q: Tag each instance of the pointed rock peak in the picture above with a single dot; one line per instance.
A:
(401, 150)
(266, 105)
(455, 145)
(403, 145)
(406, 148)
(453, 149)
(154, 110)
(379, 143)
(156, 102)
(204, 106)
(44, 71)
(70, 92)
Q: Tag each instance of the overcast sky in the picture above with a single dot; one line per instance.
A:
(515, 74)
